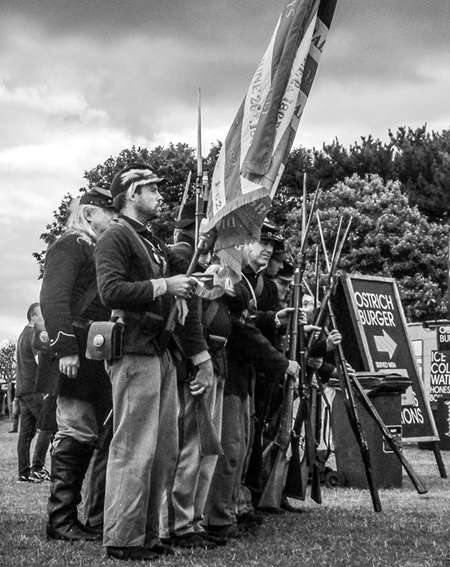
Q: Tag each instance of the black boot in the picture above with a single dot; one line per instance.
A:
(70, 460)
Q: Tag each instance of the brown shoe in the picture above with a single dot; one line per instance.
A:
(131, 553)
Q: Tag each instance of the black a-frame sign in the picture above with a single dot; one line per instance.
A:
(375, 339)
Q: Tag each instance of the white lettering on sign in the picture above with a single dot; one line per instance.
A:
(439, 375)
(444, 334)
(376, 309)
(374, 300)
(412, 415)
(385, 364)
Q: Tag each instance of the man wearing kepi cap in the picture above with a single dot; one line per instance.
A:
(134, 277)
(69, 302)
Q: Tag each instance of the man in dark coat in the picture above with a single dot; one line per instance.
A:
(247, 349)
(31, 403)
(69, 302)
(135, 282)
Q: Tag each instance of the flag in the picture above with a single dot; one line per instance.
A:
(253, 156)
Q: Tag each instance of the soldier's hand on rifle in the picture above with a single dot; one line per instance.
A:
(313, 329)
(293, 369)
(181, 286)
(69, 365)
(283, 315)
(350, 369)
(203, 379)
(333, 339)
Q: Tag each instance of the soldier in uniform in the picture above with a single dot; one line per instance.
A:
(134, 277)
(69, 301)
(185, 500)
(247, 350)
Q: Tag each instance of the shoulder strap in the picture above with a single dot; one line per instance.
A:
(136, 237)
(251, 290)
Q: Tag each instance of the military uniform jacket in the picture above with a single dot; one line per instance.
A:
(248, 348)
(124, 273)
(69, 274)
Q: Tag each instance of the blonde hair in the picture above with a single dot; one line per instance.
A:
(77, 222)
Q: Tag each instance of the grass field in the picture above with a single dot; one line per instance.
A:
(411, 530)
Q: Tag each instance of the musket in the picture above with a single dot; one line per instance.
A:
(344, 378)
(352, 412)
(390, 439)
(303, 418)
(273, 488)
(296, 480)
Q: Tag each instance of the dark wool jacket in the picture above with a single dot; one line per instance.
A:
(69, 274)
(26, 363)
(248, 348)
(214, 315)
(124, 273)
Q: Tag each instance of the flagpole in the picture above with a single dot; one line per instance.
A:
(199, 183)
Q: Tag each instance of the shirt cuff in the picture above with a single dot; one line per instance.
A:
(200, 357)
(159, 287)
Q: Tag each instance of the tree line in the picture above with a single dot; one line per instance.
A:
(396, 192)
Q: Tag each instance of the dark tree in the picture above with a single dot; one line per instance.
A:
(388, 237)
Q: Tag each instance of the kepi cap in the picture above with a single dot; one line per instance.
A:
(134, 172)
(99, 197)
(270, 231)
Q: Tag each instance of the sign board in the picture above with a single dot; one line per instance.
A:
(443, 337)
(375, 339)
(439, 375)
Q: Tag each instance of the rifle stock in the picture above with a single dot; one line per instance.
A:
(273, 487)
(297, 475)
(208, 440)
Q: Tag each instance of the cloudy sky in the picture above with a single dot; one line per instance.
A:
(81, 80)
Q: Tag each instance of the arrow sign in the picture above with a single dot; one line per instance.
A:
(385, 343)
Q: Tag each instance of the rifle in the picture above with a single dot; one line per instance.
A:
(352, 412)
(349, 402)
(303, 420)
(273, 489)
(420, 487)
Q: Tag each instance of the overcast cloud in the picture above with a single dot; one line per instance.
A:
(82, 79)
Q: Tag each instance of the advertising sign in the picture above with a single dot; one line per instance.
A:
(375, 339)
(443, 337)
